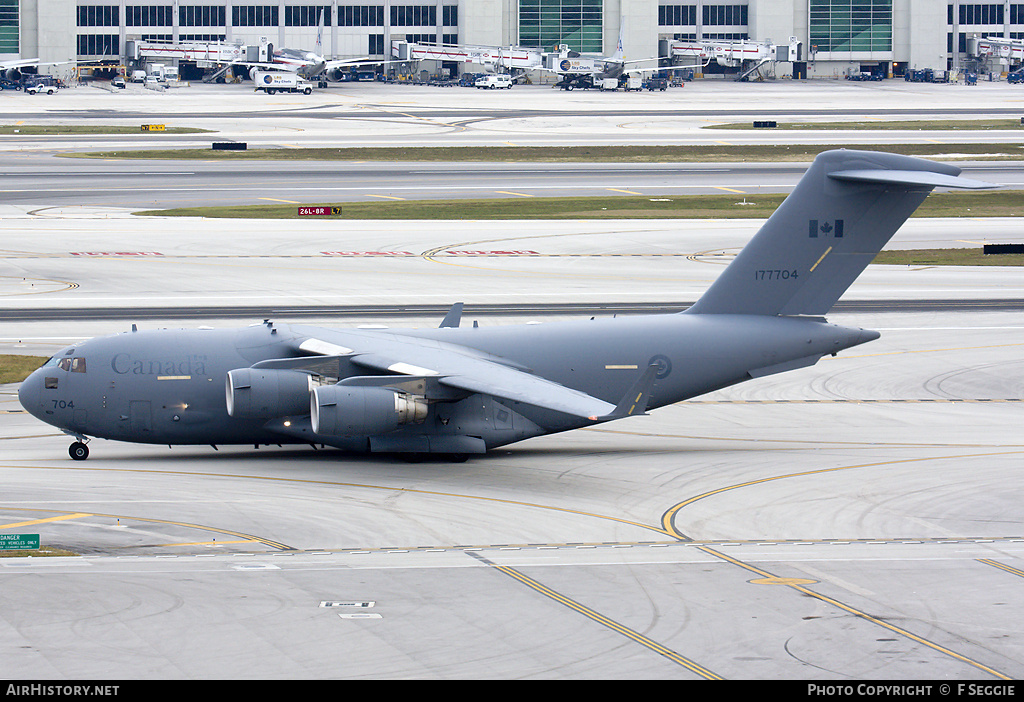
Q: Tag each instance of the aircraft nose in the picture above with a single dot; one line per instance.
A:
(30, 393)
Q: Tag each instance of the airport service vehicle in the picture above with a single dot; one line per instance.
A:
(138, 77)
(281, 81)
(494, 80)
(461, 390)
(40, 88)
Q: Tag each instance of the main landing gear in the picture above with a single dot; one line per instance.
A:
(78, 451)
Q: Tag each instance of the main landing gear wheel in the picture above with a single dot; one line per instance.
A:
(78, 451)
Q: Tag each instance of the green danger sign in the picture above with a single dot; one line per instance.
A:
(10, 542)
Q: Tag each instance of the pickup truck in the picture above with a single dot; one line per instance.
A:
(40, 88)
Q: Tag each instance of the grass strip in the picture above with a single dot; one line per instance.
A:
(14, 369)
(565, 154)
(947, 257)
(909, 124)
(59, 129)
(998, 203)
(37, 553)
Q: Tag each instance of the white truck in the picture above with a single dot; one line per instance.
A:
(281, 81)
(494, 81)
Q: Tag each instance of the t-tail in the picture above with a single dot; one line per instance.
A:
(842, 212)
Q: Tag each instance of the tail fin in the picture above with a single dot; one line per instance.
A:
(619, 54)
(842, 212)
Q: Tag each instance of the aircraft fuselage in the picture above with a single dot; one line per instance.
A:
(168, 386)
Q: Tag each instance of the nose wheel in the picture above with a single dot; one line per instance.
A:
(78, 451)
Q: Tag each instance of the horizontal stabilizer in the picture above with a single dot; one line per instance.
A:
(923, 178)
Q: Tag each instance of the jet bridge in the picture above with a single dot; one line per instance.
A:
(750, 57)
(208, 53)
(204, 55)
(995, 54)
(492, 57)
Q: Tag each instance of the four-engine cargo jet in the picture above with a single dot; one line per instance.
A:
(463, 390)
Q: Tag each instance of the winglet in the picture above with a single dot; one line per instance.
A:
(453, 318)
(634, 402)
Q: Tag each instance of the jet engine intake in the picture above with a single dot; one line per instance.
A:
(343, 410)
(254, 393)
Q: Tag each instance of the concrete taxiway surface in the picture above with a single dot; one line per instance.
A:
(855, 519)
(371, 114)
(859, 519)
(143, 185)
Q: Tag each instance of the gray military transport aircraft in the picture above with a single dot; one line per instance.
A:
(463, 390)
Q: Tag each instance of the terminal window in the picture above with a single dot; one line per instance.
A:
(201, 15)
(851, 25)
(99, 16)
(307, 15)
(724, 14)
(547, 23)
(672, 15)
(978, 14)
(98, 45)
(361, 16)
(254, 15)
(148, 16)
(414, 16)
(9, 27)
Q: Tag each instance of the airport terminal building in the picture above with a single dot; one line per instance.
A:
(835, 36)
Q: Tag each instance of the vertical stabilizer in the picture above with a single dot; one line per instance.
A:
(842, 212)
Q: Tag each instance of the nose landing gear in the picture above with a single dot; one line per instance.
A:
(78, 451)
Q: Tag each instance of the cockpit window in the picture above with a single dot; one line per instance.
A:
(75, 365)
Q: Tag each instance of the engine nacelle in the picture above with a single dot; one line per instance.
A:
(254, 393)
(334, 74)
(12, 73)
(344, 410)
(252, 73)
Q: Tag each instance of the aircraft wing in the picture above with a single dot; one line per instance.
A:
(463, 369)
(363, 61)
(466, 372)
(18, 63)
